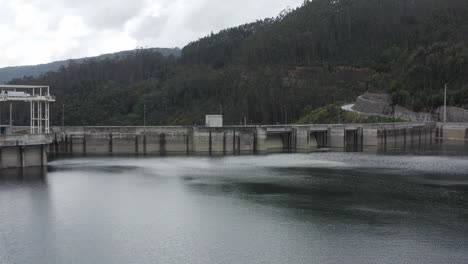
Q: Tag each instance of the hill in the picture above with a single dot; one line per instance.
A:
(9, 73)
(276, 70)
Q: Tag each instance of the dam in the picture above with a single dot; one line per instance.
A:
(30, 146)
(27, 150)
(242, 140)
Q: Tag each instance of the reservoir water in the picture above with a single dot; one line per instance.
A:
(286, 208)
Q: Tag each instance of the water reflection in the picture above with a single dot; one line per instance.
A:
(30, 174)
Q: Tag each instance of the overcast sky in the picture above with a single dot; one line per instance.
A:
(40, 31)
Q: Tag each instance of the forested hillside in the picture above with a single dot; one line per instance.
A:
(275, 70)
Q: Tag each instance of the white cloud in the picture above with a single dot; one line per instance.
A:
(40, 31)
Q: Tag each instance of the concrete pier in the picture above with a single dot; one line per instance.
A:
(20, 151)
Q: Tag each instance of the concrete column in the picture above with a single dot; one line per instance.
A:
(261, 140)
(21, 157)
(238, 144)
(254, 142)
(337, 137)
(224, 143)
(425, 135)
(360, 139)
(302, 139)
(419, 131)
(110, 143)
(370, 137)
(210, 143)
(84, 144)
(56, 144)
(136, 144)
(162, 144)
(186, 140)
(404, 135)
(412, 136)
(345, 142)
(295, 139)
(385, 138)
(1, 158)
(190, 140)
(441, 134)
(234, 142)
(43, 156)
(430, 137)
(144, 144)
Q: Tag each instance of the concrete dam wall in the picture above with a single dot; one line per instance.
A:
(157, 140)
(236, 140)
(20, 151)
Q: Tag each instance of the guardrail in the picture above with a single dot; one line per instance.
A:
(27, 97)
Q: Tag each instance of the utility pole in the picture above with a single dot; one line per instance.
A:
(445, 104)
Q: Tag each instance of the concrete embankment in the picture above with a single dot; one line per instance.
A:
(377, 104)
(454, 115)
(380, 104)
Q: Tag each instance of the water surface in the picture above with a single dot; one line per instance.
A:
(286, 208)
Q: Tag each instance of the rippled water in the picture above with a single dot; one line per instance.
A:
(311, 208)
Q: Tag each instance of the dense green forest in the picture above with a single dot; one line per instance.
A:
(276, 70)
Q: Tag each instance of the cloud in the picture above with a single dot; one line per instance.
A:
(110, 14)
(40, 31)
